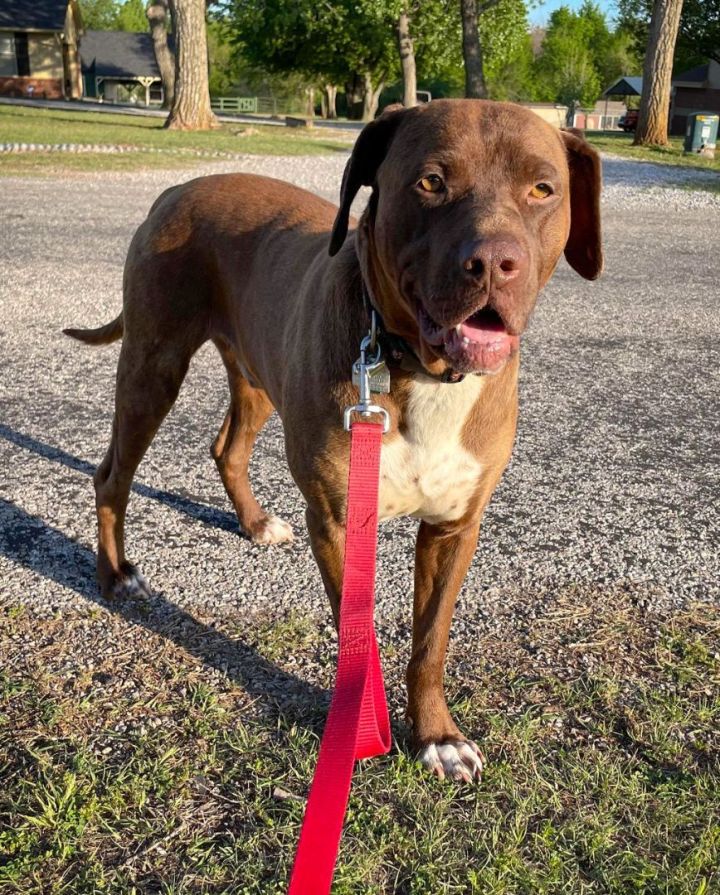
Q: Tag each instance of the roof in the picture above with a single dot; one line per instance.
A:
(39, 15)
(119, 54)
(625, 86)
(697, 75)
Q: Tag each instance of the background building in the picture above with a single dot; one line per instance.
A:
(39, 48)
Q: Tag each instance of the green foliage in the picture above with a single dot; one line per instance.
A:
(330, 43)
(342, 40)
(437, 34)
(112, 15)
(698, 38)
(580, 56)
(99, 15)
(513, 80)
(225, 65)
(503, 35)
(131, 16)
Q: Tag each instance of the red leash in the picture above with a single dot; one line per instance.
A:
(358, 725)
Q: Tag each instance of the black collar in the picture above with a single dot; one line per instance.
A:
(398, 353)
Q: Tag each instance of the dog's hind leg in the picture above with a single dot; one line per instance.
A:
(249, 410)
(148, 381)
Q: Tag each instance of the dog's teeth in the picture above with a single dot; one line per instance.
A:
(465, 340)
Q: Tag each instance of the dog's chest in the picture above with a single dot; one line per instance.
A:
(425, 471)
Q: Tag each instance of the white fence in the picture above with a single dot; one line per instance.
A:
(243, 105)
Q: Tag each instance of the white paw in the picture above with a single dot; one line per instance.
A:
(457, 759)
(131, 584)
(273, 531)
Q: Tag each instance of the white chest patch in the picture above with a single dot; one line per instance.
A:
(425, 471)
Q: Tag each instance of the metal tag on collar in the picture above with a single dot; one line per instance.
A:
(372, 360)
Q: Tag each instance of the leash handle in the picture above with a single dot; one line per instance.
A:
(358, 725)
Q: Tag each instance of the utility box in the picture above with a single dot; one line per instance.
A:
(701, 133)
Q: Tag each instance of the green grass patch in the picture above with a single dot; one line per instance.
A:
(20, 124)
(50, 164)
(149, 754)
(621, 144)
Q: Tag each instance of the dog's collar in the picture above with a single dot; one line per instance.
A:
(398, 353)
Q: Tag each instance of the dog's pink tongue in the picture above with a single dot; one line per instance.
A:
(483, 332)
(481, 344)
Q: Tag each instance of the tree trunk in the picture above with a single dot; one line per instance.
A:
(310, 102)
(472, 51)
(353, 95)
(157, 15)
(331, 101)
(371, 97)
(407, 60)
(652, 126)
(191, 105)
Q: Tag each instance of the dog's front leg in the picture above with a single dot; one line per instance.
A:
(327, 540)
(442, 559)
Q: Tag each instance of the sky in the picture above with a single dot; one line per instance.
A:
(541, 13)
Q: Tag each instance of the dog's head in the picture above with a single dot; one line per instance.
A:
(473, 203)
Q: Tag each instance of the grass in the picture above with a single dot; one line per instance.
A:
(621, 144)
(156, 146)
(146, 751)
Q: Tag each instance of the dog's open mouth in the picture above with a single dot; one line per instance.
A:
(480, 344)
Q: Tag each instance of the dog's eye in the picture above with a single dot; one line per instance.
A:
(541, 191)
(431, 184)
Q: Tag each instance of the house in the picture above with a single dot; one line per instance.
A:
(696, 90)
(39, 48)
(114, 63)
(553, 113)
(604, 116)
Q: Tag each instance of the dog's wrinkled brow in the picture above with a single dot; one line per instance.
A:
(534, 167)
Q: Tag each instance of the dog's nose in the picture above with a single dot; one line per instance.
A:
(497, 260)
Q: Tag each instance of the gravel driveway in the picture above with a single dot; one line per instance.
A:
(614, 482)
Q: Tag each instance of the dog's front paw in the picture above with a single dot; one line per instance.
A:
(271, 530)
(459, 760)
(128, 582)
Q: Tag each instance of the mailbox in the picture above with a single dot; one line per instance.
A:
(701, 133)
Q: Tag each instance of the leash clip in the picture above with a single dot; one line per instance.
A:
(364, 371)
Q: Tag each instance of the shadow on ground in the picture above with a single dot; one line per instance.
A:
(29, 541)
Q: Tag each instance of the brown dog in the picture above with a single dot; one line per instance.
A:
(472, 205)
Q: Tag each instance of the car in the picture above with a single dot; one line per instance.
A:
(628, 121)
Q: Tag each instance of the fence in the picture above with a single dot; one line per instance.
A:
(243, 105)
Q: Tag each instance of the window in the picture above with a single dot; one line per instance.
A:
(8, 65)
(21, 54)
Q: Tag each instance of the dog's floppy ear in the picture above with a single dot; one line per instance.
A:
(584, 246)
(370, 149)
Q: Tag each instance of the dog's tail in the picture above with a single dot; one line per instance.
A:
(103, 335)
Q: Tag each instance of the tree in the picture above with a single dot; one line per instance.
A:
(114, 15)
(579, 55)
(407, 60)
(131, 16)
(699, 35)
(99, 15)
(470, 11)
(504, 38)
(494, 34)
(700, 29)
(652, 127)
(344, 41)
(158, 17)
(565, 72)
(191, 103)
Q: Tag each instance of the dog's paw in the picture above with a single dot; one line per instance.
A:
(459, 760)
(271, 530)
(128, 582)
